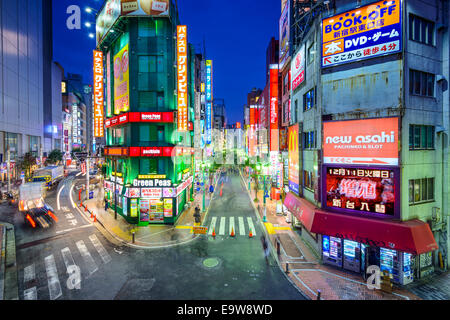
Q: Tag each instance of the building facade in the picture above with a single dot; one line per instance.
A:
(367, 172)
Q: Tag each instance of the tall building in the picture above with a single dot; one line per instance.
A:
(368, 135)
(149, 111)
(29, 82)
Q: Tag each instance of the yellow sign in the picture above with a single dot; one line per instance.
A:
(147, 176)
(118, 174)
(200, 230)
(121, 81)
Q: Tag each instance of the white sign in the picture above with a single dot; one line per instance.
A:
(151, 193)
(298, 68)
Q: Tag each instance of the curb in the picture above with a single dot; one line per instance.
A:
(10, 290)
(135, 246)
(272, 249)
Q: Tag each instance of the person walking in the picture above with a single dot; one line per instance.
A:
(265, 246)
(197, 216)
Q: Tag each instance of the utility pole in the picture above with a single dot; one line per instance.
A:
(8, 164)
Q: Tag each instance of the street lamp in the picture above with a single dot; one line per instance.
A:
(90, 10)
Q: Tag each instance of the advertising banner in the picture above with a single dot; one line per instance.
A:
(361, 190)
(182, 65)
(108, 85)
(151, 193)
(98, 95)
(298, 68)
(274, 134)
(160, 8)
(284, 28)
(369, 141)
(106, 18)
(293, 147)
(366, 32)
(209, 99)
(121, 81)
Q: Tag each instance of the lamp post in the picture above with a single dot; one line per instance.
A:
(264, 199)
(204, 189)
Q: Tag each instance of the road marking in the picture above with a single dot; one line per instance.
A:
(100, 249)
(72, 229)
(251, 226)
(89, 261)
(29, 273)
(232, 227)
(78, 174)
(70, 196)
(222, 226)
(57, 197)
(212, 226)
(54, 286)
(241, 226)
(30, 294)
(67, 257)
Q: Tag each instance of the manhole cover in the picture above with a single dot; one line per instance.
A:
(210, 262)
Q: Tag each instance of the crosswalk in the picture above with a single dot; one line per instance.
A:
(55, 280)
(224, 225)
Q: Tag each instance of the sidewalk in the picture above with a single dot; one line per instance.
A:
(8, 267)
(305, 270)
(152, 236)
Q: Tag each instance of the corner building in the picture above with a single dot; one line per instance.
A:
(369, 136)
(149, 163)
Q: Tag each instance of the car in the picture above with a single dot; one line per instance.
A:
(43, 217)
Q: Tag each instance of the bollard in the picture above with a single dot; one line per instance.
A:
(287, 267)
(133, 236)
(318, 294)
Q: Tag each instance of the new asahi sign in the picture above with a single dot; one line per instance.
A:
(152, 183)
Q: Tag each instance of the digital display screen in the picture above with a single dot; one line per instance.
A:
(335, 245)
(350, 248)
(326, 246)
(387, 260)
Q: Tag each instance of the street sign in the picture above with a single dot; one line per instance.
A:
(211, 189)
(200, 230)
(91, 195)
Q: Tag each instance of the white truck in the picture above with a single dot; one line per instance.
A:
(50, 175)
(31, 195)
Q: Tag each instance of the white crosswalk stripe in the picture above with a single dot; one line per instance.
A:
(212, 226)
(100, 249)
(222, 226)
(30, 294)
(241, 226)
(29, 273)
(251, 226)
(54, 286)
(88, 260)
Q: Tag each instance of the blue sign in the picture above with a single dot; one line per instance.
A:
(208, 100)
(211, 189)
(91, 195)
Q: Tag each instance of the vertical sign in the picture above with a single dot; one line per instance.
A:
(98, 94)
(293, 147)
(298, 68)
(274, 136)
(108, 84)
(121, 81)
(284, 34)
(182, 78)
(208, 100)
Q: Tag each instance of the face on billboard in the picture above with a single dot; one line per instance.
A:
(370, 141)
(361, 190)
(363, 33)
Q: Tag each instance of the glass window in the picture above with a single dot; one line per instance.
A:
(147, 64)
(161, 100)
(430, 85)
(430, 137)
(424, 189)
(416, 190)
(423, 83)
(416, 137)
(144, 133)
(411, 136)
(160, 64)
(411, 191)
(144, 166)
(416, 29)
(147, 100)
(430, 37)
(416, 82)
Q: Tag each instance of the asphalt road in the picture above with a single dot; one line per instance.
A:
(230, 268)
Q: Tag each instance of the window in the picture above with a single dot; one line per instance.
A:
(311, 53)
(421, 190)
(148, 166)
(295, 111)
(421, 83)
(147, 133)
(147, 100)
(421, 137)
(308, 180)
(421, 30)
(309, 140)
(309, 99)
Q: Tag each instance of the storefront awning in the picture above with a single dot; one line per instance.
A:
(413, 236)
(301, 209)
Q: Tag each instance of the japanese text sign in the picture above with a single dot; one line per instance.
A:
(368, 141)
(363, 33)
(182, 78)
(298, 68)
(98, 95)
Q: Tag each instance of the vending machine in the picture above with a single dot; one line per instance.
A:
(332, 251)
(352, 255)
(406, 274)
(390, 261)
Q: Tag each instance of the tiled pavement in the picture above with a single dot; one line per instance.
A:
(305, 270)
(436, 287)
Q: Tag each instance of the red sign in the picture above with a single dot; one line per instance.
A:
(274, 136)
(361, 190)
(157, 117)
(98, 95)
(156, 151)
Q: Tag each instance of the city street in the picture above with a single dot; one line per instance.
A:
(221, 268)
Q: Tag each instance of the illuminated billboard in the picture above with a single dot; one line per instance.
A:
(121, 81)
(369, 141)
(209, 98)
(98, 95)
(293, 155)
(298, 68)
(361, 190)
(274, 134)
(370, 31)
(284, 28)
(182, 65)
(106, 18)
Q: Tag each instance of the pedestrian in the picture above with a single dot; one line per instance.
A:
(106, 205)
(197, 216)
(265, 246)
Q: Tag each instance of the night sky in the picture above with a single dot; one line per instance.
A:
(236, 34)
